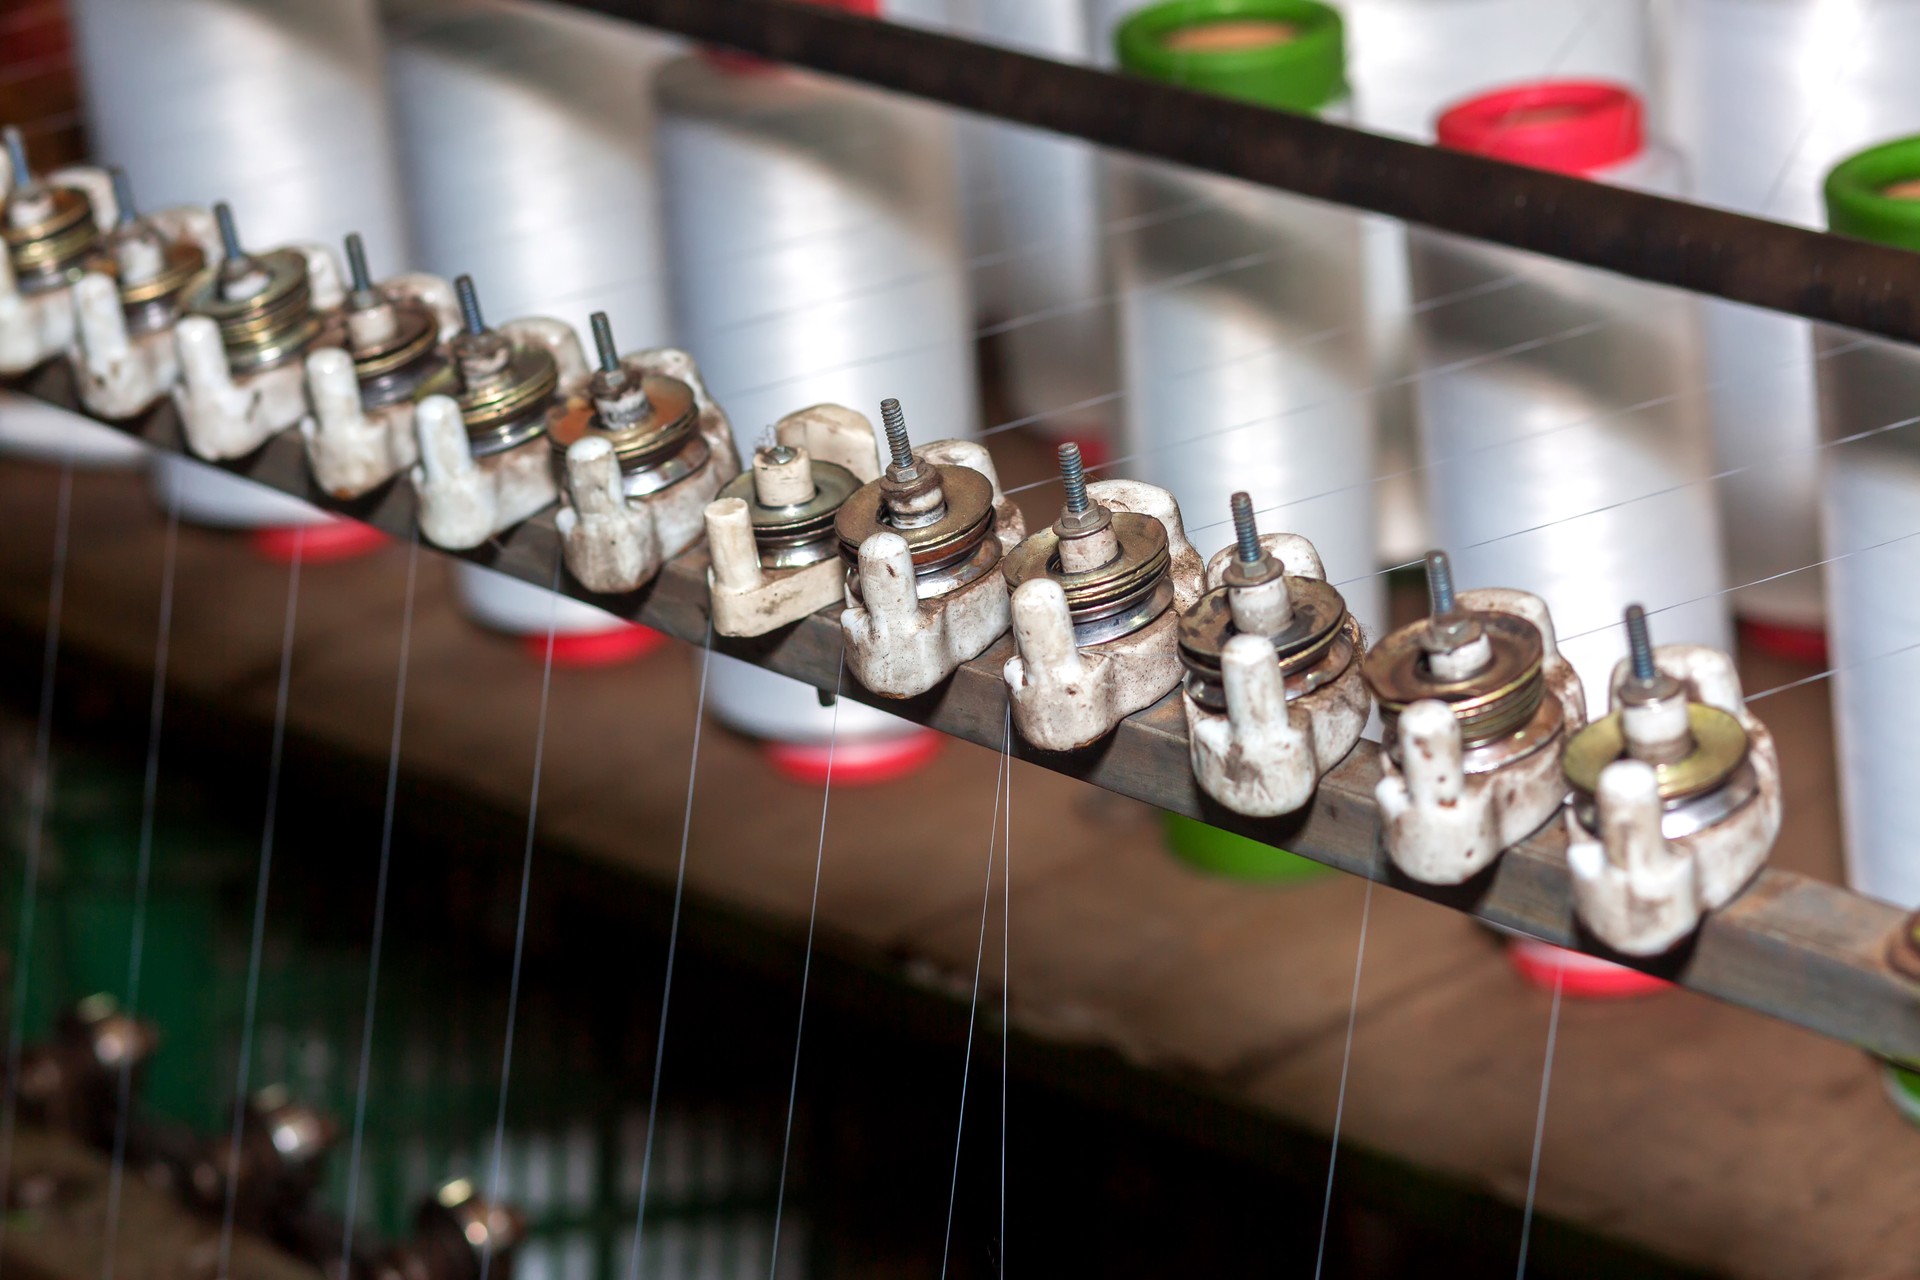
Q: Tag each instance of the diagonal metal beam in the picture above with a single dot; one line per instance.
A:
(1790, 947)
(1830, 278)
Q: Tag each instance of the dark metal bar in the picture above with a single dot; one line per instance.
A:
(1790, 947)
(1767, 264)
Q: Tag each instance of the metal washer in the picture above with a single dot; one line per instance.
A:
(1719, 749)
(1115, 599)
(1492, 702)
(506, 410)
(952, 538)
(802, 534)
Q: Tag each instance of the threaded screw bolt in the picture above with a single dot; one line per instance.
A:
(123, 195)
(469, 305)
(895, 423)
(603, 342)
(1246, 534)
(1073, 474)
(1439, 584)
(1640, 644)
(357, 263)
(17, 156)
(229, 233)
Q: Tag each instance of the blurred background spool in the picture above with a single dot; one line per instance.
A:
(1580, 466)
(1407, 60)
(527, 132)
(1870, 509)
(277, 107)
(816, 255)
(1243, 329)
(1243, 311)
(1871, 515)
(1033, 218)
(1765, 96)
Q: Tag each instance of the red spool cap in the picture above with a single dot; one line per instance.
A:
(855, 764)
(1568, 126)
(1779, 640)
(1581, 976)
(337, 539)
(585, 649)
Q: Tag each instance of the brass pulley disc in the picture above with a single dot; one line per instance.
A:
(1319, 617)
(832, 485)
(67, 234)
(1115, 598)
(416, 334)
(1719, 748)
(1142, 558)
(803, 533)
(521, 388)
(969, 518)
(183, 261)
(674, 416)
(271, 325)
(1492, 702)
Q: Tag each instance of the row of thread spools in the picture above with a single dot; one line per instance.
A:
(820, 251)
(1675, 793)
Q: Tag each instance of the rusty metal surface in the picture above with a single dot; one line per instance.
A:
(1790, 947)
(1707, 250)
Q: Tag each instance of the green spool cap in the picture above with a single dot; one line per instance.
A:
(1289, 54)
(1858, 203)
(1903, 1087)
(1223, 853)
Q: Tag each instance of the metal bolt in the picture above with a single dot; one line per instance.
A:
(603, 342)
(17, 156)
(1074, 476)
(896, 424)
(1439, 584)
(781, 454)
(123, 195)
(469, 305)
(1640, 644)
(1246, 534)
(229, 234)
(357, 263)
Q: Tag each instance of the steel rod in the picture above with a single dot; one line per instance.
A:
(1790, 947)
(1785, 268)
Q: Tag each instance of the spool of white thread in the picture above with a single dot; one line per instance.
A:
(1245, 356)
(1764, 96)
(31, 428)
(1406, 61)
(527, 133)
(1034, 236)
(816, 255)
(1409, 59)
(1870, 490)
(1542, 473)
(276, 107)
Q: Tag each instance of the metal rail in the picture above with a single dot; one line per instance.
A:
(1790, 947)
(1818, 276)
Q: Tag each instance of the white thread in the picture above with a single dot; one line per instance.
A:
(806, 974)
(251, 1004)
(673, 944)
(350, 1210)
